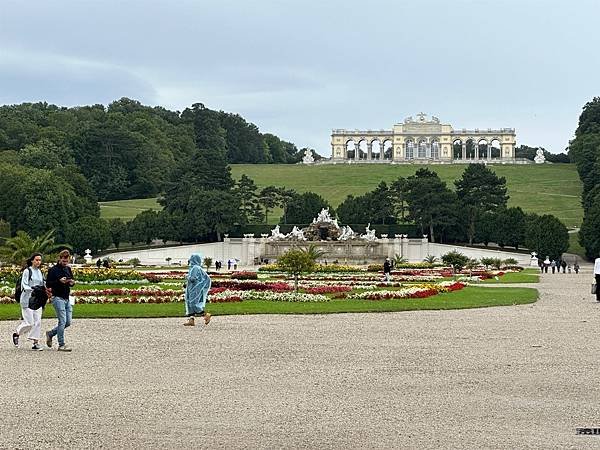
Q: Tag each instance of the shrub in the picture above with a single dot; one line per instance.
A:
(456, 260)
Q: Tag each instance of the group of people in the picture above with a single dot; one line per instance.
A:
(57, 287)
(555, 266)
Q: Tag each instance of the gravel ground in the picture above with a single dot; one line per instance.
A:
(505, 377)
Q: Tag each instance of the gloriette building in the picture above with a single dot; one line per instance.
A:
(423, 140)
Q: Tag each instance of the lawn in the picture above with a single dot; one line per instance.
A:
(545, 189)
(526, 276)
(535, 188)
(127, 209)
(470, 297)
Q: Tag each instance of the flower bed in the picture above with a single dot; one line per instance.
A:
(422, 291)
(244, 275)
(268, 296)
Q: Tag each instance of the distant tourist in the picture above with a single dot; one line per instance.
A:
(546, 264)
(563, 264)
(106, 263)
(98, 263)
(597, 277)
(553, 266)
(60, 280)
(569, 268)
(32, 318)
(387, 270)
(196, 291)
(576, 267)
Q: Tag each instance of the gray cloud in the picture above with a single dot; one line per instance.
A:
(299, 69)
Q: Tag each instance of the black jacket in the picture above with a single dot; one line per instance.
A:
(59, 289)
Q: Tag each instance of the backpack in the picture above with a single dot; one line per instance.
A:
(18, 291)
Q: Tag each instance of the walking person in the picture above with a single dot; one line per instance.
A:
(553, 266)
(387, 270)
(546, 264)
(32, 318)
(563, 264)
(196, 291)
(576, 267)
(60, 280)
(597, 277)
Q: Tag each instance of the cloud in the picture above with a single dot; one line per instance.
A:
(30, 76)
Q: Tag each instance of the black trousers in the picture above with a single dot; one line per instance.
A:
(597, 287)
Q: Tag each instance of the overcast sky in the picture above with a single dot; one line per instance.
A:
(300, 68)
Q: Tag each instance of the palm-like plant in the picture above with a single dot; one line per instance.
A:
(399, 260)
(313, 252)
(431, 259)
(18, 248)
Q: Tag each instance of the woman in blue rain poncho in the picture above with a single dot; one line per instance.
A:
(196, 291)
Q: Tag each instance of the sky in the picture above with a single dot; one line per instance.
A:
(299, 69)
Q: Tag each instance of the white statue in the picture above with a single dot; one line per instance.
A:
(308, 158)
(539, 156)
(369, 234)
(323, 216)
(347, 233)
(296, 233)
(276, 234)
(534, 262)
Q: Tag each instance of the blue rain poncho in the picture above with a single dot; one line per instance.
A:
(198, 284)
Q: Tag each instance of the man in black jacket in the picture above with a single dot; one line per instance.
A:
(59, 280)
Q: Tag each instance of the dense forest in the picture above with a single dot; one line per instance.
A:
(128, 150)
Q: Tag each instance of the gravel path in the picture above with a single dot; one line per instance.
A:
(504, 377)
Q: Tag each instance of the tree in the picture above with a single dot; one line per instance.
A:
(20, 247)
(456, 260)
(89, 233)
(480, 190)
(117, 230)
(303, 208)
(510, 227)
(249, 206)
(296, 262)
(430, 202)
(144, 226)
(546, 235)
(589, 235)
(398, 195)
(268, 198)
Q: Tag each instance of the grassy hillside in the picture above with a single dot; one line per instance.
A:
(127, 209)
(544, 189)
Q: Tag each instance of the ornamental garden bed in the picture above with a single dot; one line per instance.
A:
(349, 292)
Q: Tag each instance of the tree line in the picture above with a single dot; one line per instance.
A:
(584, 151)
(128, 150)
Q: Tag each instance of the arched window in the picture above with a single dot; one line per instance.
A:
(410, 150)
(435, 150)
(422, 149)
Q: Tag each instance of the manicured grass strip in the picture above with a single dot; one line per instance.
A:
(526, 276)
(471, 297)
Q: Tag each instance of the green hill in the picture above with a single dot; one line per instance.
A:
(544, 189)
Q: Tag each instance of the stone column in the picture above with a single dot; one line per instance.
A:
(369, 151)
(464, 151)
(428, 150)
(477, 151)
(489, 152)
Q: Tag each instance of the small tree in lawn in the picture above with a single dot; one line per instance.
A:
(207, 262)
(295, 262)
(456, 260)
(168, 260)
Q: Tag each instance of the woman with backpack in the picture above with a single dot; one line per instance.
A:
(32, 318)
